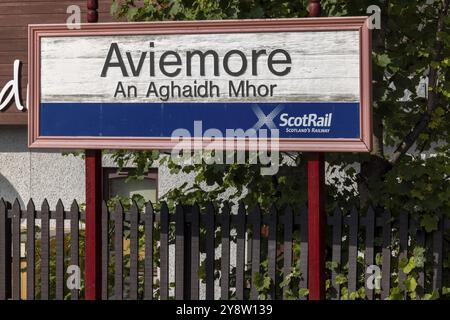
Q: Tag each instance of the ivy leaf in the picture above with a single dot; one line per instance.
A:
(403, 262)
(383, 60)
(331, 265)
(258, 280)
(285, 282)
(114, 7)
(409, 266)
(431, 296)
(445, 290)
(419, 254)
(429, 222)
(395, 294)
(354, 295)
(303, 292)
(267, 282)
(132, 13)
(341, 279)
(410, 284)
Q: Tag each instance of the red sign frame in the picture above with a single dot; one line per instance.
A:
(360, 24)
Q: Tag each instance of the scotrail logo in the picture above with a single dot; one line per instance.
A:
(306, 123)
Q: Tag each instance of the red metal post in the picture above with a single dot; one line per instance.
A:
(93, 224)
(316, 226)
(314, 8)
(92, 14)
(93, 162)
(316, 210)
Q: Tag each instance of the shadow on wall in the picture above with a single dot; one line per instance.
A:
(8, 192)
(13, 139)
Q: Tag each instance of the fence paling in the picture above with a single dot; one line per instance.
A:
(386, 255)
(5, 253)
(353, 224)
(187, 222)
(225, 261)
(195, 252)
(437, 254)
(336, 223)
(148, 263)
(272, 251)
(31, 250)
(240, 252)
(179, 253)
(105, 249)
(164, 253)
(16, 250)
(304, 249)
(45, 248)
(287, 250)
(256, 248)
(403, 235)
(118, 252)
(74, 242)
(421, 243)
(134, 251)
(59, 251)
(210, 251)
(369, 222)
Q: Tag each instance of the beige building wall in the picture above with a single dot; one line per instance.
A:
(26, 174)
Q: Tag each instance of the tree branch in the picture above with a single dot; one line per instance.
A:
(433, 98)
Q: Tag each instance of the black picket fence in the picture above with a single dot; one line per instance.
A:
(218, 254)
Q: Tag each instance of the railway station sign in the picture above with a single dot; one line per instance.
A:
(137, 85)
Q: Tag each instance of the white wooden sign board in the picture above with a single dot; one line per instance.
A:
(133, 85)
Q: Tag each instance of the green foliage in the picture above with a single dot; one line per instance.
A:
(414, 42)
(52, 264)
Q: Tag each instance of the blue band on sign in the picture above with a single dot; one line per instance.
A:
(294, 120)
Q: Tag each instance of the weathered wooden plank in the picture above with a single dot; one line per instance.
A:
(164, 253)
(403, 253)
(105, 250)
(336, 252)
(195, 252)
(225, 261)
(74, 241)
(16, 250)
(437, 254)
(353, 251)
(187, 251)
(256, 249)
(210, 250)
(240, 251)
(134, 251)
(304, 249)
(30, 250)
(5, 252)
(59, 263)
(288, 229)
(44, 7)
(386, 255)
(272, 252)
(326, 59)
(179, 253)
(369, 224)
(148, 263)
(45, 250)
(420, 242)
(118, 252)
